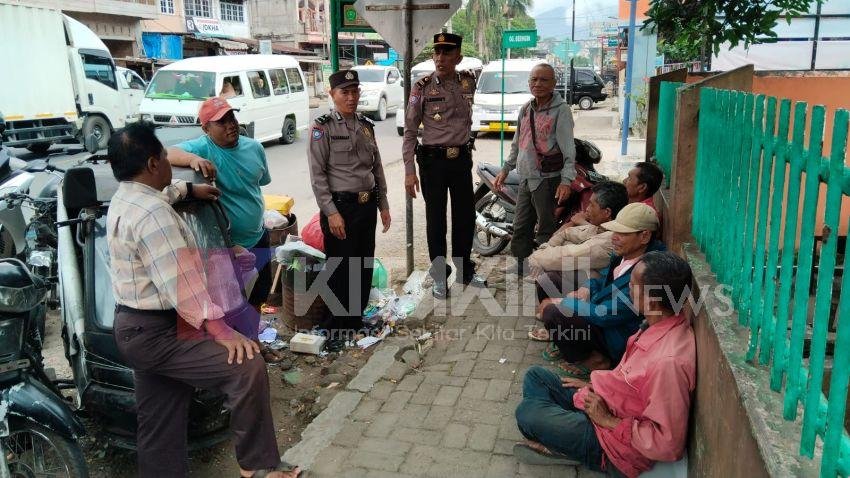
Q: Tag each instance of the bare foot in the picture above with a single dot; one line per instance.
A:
(538, 447)
(596, 361)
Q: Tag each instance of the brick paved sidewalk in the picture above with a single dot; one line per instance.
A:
(451, 417)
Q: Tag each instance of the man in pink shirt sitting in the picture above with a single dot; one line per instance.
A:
(626, 419)
(643, 182)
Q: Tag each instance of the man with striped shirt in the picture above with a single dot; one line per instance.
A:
(167, 327)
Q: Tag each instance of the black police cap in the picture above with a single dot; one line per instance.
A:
(449, 40)
(344, 79)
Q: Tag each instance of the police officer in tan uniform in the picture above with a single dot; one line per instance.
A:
(350, 189)
(442, 103)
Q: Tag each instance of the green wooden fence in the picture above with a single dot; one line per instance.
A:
(666, 127)
(755, 213)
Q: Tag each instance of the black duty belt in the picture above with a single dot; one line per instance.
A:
(444, 152)
(362, 197)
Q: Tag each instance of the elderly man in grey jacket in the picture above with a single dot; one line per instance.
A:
(543, 153)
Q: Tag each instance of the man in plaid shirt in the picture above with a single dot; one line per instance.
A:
(160, 285)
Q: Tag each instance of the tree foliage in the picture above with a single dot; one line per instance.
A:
(466, 24)
(691, 28)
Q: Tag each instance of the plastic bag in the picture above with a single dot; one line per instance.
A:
(312, 234)
(273, 219)
(379, 275)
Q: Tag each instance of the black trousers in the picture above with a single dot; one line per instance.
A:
(352, 262)
(167, 367)
(575, 337)
(263, 284)
(440, 178)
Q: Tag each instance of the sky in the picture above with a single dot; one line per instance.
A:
(553, 16)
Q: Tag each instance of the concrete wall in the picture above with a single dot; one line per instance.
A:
(275, 19)
(737, 428)
(167, 23)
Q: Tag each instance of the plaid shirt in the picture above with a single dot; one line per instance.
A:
(153, 255)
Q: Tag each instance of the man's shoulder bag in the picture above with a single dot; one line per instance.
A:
(550, 163)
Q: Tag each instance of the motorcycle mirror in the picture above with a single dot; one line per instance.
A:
(92, 143)
(79, 189)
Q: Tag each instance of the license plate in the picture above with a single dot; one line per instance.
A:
(498, 126)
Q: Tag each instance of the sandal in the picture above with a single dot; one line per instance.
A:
(282, 466)
(270, 355)
(583, 372)
(530, 456)
(552, 353)
(536, 335)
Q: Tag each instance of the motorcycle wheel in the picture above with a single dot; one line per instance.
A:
(484, 242)
(34, 451)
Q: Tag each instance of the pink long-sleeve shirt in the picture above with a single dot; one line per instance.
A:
(650, 391)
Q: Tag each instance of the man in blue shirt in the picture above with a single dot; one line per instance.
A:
(238, 167)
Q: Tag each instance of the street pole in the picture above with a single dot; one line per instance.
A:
(334, 34)
(355, 50)
(624, 144)
(502, 122)
(572, 57)
(408, 60)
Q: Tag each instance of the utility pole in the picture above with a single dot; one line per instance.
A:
(627, 91)
(572, 57)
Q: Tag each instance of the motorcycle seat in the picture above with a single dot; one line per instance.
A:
(513, 176)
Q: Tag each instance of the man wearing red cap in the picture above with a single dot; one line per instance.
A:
(237, 164)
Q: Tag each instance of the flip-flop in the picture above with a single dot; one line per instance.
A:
(530, 456)
(582, 374)
(532, 334)
(552, 353)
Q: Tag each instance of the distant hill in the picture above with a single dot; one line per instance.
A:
(552, 23)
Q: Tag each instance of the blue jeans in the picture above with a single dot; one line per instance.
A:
(547, 415)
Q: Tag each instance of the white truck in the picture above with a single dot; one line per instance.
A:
(59, 81)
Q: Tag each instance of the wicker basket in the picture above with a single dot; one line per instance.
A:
(295, 300)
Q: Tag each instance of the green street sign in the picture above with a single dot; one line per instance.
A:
(612, 41)
(519, 38)
(346, 19)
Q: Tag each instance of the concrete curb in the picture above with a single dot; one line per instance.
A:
(323, 429)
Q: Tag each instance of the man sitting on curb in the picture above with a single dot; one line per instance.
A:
(589, 326)
(622, 420)
(575, 254)
(643, 182)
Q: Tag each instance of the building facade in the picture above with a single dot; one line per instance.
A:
(117, 22)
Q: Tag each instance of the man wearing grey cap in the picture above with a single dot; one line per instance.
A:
(589, 327)
(349, 185)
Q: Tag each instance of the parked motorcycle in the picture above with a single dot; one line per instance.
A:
(38, 430)
(495, 209)
(103, 380)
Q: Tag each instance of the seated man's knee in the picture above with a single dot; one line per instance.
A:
(535, 374)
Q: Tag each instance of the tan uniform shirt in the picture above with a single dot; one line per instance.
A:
(586, 248)
(444, 108)
(344, 157)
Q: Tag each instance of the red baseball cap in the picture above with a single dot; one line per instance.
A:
(213, 109)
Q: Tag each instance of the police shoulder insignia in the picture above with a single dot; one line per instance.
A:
(366, 120)
(323, 119)
(423, 81)
(317, 134)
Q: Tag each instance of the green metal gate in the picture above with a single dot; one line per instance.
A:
(755, 216)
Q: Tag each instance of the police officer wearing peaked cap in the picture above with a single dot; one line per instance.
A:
(349, 185)
(442, 103)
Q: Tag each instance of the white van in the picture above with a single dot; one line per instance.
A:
(268, 90)
(426, 68)
(487, 108)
